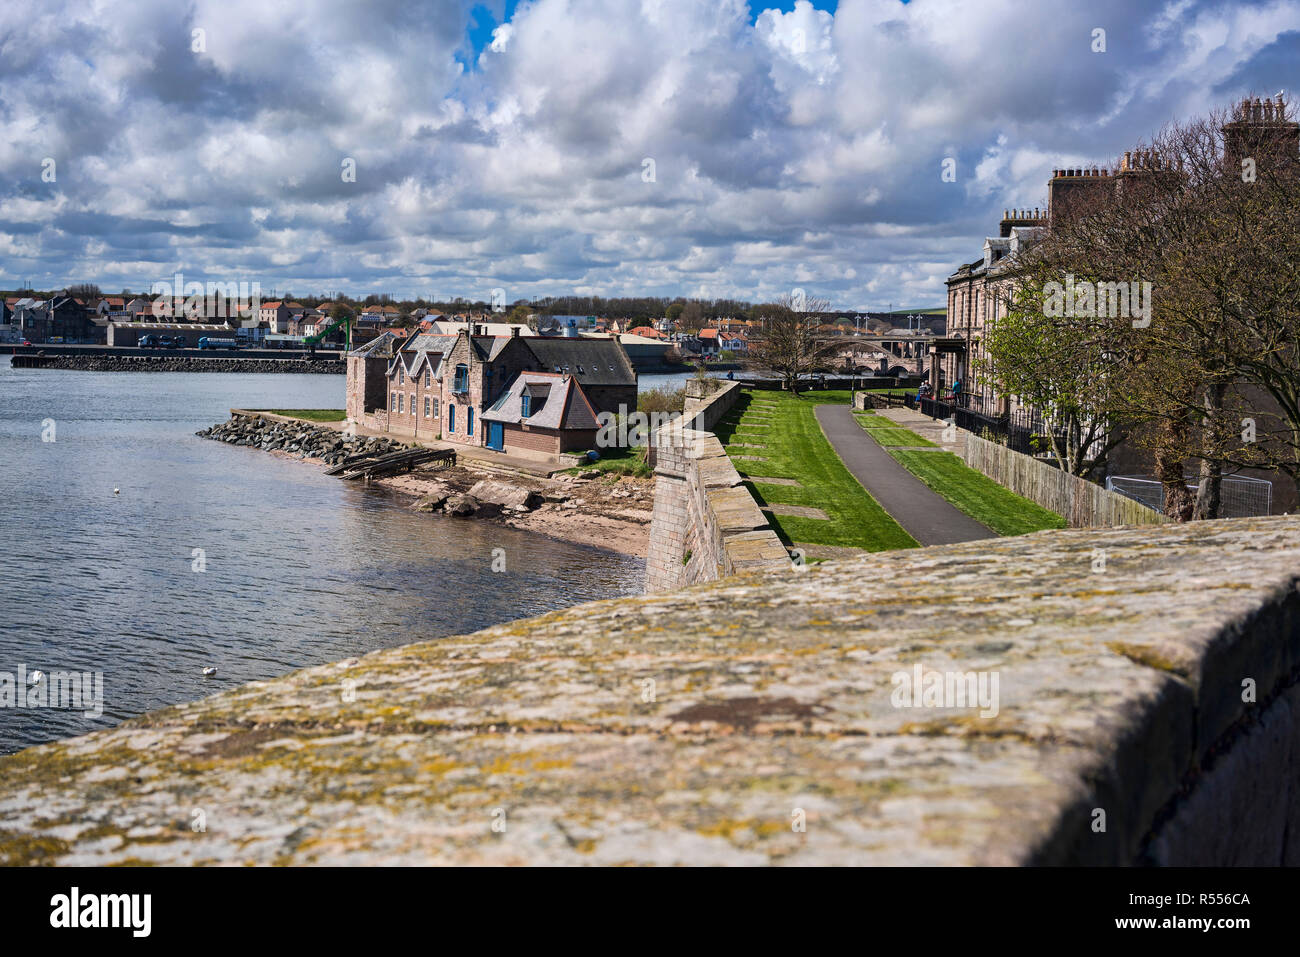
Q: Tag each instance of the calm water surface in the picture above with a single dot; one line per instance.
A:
(300, 568)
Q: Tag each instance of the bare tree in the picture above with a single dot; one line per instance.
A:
(789, 342)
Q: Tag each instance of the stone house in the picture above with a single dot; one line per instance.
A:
(441, 386)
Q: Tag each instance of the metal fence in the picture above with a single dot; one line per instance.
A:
(1239, 496)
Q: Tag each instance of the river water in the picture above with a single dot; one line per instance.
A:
(211, 556)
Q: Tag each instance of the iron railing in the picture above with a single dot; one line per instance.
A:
(1016, 430)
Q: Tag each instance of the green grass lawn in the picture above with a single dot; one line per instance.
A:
(975, 493)
(797, 449)
(888, 433)
(618, 460)
(311, 415)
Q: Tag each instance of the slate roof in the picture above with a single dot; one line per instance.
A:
(591, 361)
(381, 347)
(566, 405)
(421, 348)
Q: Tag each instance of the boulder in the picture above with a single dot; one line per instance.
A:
(433, 501)
(462, 506)
(502, 494)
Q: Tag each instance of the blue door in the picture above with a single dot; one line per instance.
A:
(469, 420)
(496, 435)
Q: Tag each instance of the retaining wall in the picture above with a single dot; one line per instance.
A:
(706, 524)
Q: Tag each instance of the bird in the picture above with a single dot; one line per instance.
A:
(117, 491)
(36, 677)
(209, 672)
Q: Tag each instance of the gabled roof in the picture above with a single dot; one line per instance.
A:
(566, 405)
(384, 346)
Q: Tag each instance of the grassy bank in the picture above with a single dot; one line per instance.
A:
(794, 448)
(311, 415)
(975, 493)
(889, 433)
(617, 460)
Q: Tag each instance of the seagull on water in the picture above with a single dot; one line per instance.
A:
(117, 491)
(209, 672)
(36, 677)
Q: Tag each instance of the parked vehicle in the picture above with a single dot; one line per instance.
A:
(149, 341)
(173, 342)
(211, 342)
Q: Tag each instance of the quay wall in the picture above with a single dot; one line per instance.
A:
(174, 363)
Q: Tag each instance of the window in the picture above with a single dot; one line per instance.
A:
(469, 420)
(412, 405)
(428, 377)
(426, 406)
(524, 402)
(400, 399)
(401, 376)
(462, 379)
(451, 418)
(394, 401)
(435, 409)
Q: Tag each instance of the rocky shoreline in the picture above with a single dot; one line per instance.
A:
(178, 364)
(586, 508)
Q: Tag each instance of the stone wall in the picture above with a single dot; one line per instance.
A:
(1146, 713)
(1083, 504)
(707, 402)
(706, 525)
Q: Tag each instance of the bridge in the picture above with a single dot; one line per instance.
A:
(912, 349)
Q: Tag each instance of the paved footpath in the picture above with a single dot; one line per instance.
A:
(924, 514)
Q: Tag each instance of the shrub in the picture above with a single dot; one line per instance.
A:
(663, 399)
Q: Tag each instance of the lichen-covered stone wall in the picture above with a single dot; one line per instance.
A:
(1145, 711)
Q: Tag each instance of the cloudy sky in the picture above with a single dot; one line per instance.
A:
(600, 147)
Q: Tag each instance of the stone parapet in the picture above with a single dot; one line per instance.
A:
(1146, 712)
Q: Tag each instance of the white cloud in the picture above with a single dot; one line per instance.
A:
(796, 147)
